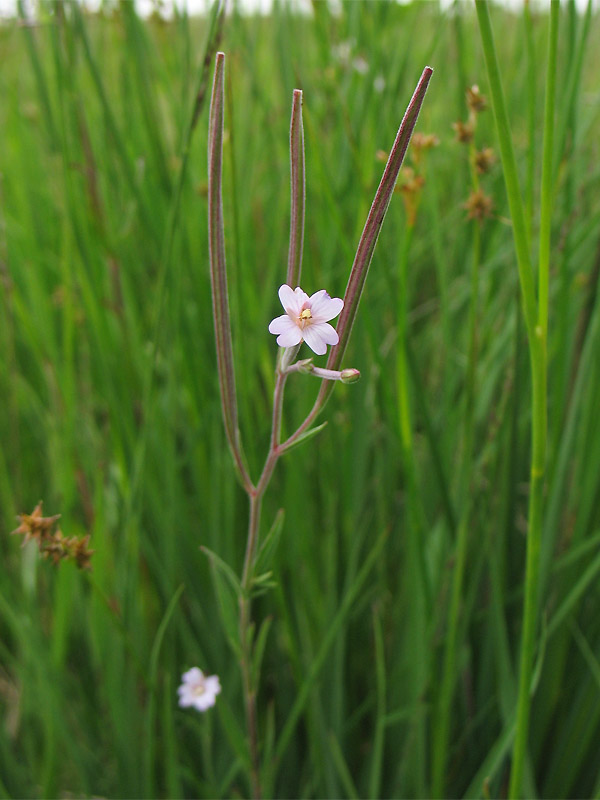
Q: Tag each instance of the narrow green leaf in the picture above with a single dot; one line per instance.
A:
(341, 766)
(305, 436)
(228, 592)
(330, 637)
(380, 721)
(269, 544)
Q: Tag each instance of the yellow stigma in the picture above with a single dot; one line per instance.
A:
(306, 314)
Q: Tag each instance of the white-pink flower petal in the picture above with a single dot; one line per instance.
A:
(288, 297)
(290, 338)
(318, 336)
(324, 307)
(281, 324)
(193, 675)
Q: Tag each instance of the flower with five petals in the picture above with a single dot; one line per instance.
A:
(198, 690)
(306, 319)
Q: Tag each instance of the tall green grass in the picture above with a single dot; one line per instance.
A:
(111, 409)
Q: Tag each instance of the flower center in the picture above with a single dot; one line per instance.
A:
(305, 316)
(199, 689)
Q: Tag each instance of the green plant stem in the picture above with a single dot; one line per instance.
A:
(536, 321)
(401, 364)
(255, 496)
(540, 424)
(248, 681)
(414, 509)
(442, 729)
(415, 524)
(547, 194)
(509, 167)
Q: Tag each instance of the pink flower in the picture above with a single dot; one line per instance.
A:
(198, 690)
(306, 319)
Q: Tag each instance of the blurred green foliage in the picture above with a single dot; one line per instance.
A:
(111, 412)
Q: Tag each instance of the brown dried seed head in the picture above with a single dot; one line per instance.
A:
(34, 525)
(424, 141)
(464, 131)
(476, 101)
(484, 159)
(409, 185)
(420, 144)
(479, 205)
(53, 544)
(81, 553)
(410, 182)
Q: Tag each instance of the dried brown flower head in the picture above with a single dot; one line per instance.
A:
(409, 181)
(484, 159)
(51, 543)
(424, 141)
(420, 143)
(479, 205)
(409, 185)
(34, 525)
(464, 131)
(476, 101)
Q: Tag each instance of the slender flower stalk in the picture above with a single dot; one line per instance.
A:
(536, 318)
(245, 627)
(306, 366)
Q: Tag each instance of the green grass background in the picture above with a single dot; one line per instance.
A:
(111, 413)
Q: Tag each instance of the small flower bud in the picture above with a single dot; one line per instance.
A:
(350, 376)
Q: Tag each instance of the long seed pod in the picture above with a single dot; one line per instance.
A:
(370, 234)
(298, 192)
(218, 270)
